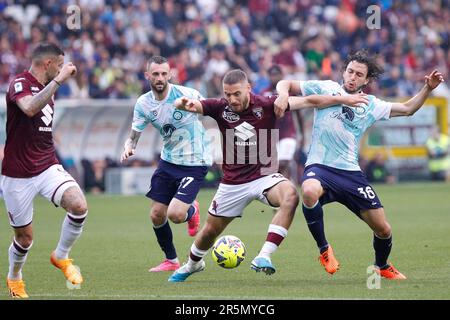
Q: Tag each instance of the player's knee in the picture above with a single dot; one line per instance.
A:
(24, 240)
(176, 216)
(158, 216)
(311, 194)
(384, 231)
(290, 198)
(79, 208)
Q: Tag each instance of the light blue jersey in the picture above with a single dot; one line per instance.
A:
(184, 139)
(337, 130)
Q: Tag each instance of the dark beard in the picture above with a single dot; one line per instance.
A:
(359, 89)
(159, 91)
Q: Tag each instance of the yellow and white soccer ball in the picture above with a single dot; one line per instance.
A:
(228, 252)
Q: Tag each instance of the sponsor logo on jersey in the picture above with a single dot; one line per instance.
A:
(34, 88)
(18, 87)
(245, 143)
(215, 205)
(244, 131)
(348, 113)
(344, 117)
(310, 174)
(258, 112)
(230, 116)
(167, 130)
(47, 117)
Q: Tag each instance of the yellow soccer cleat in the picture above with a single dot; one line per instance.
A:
(16, 288)
(70, 271)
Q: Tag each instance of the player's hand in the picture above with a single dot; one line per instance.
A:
(280, 105)
(355, 100)
(67, 71)
(434, 79)
(128, 151)
(180, 103)
(184, 103)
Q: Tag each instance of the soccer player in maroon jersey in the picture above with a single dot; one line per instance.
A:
(30, 166)
(287, 146)
(247, 124)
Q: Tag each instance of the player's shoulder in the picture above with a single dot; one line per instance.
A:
(373, 100)
(22, 82)
(327, 84)
(182, 91)
(318, 86)
(216, 102)
(145, 98)
(23, 76)
(145, 101)
(262, 100)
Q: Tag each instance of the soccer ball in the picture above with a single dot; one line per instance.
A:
(228, 252)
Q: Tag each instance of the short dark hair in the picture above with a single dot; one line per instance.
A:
(235, 76)
(157, 60)
(374, 70)
(46, 48)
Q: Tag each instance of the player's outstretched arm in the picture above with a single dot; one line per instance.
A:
(31, 105)
(410, 107)
(191, 105)
(284, 88)
(324, 101)
(129, 147)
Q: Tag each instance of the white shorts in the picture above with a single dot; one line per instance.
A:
(286, 149)
(230, 200)
(19, 193)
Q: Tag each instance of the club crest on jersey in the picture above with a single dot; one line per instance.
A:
(167, 130)
(230, 116)
(258, 112)
(177, 115)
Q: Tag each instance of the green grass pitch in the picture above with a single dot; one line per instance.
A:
(118, 246)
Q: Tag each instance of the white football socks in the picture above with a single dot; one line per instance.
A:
(72, 228)
(17, 258)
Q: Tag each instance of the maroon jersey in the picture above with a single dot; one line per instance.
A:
(249, 138)
(286, 124)
(29, 148)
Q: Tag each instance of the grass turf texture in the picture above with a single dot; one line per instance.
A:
(118, 246)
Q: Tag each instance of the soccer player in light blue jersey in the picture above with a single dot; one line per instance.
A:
(332, 172)
(184, 157)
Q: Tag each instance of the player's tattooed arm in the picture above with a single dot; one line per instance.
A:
(191, 105)
(324, 101)
(31, 105)
(410, 107)
(129, 147)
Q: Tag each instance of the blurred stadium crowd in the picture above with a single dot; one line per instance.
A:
(205, 38)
